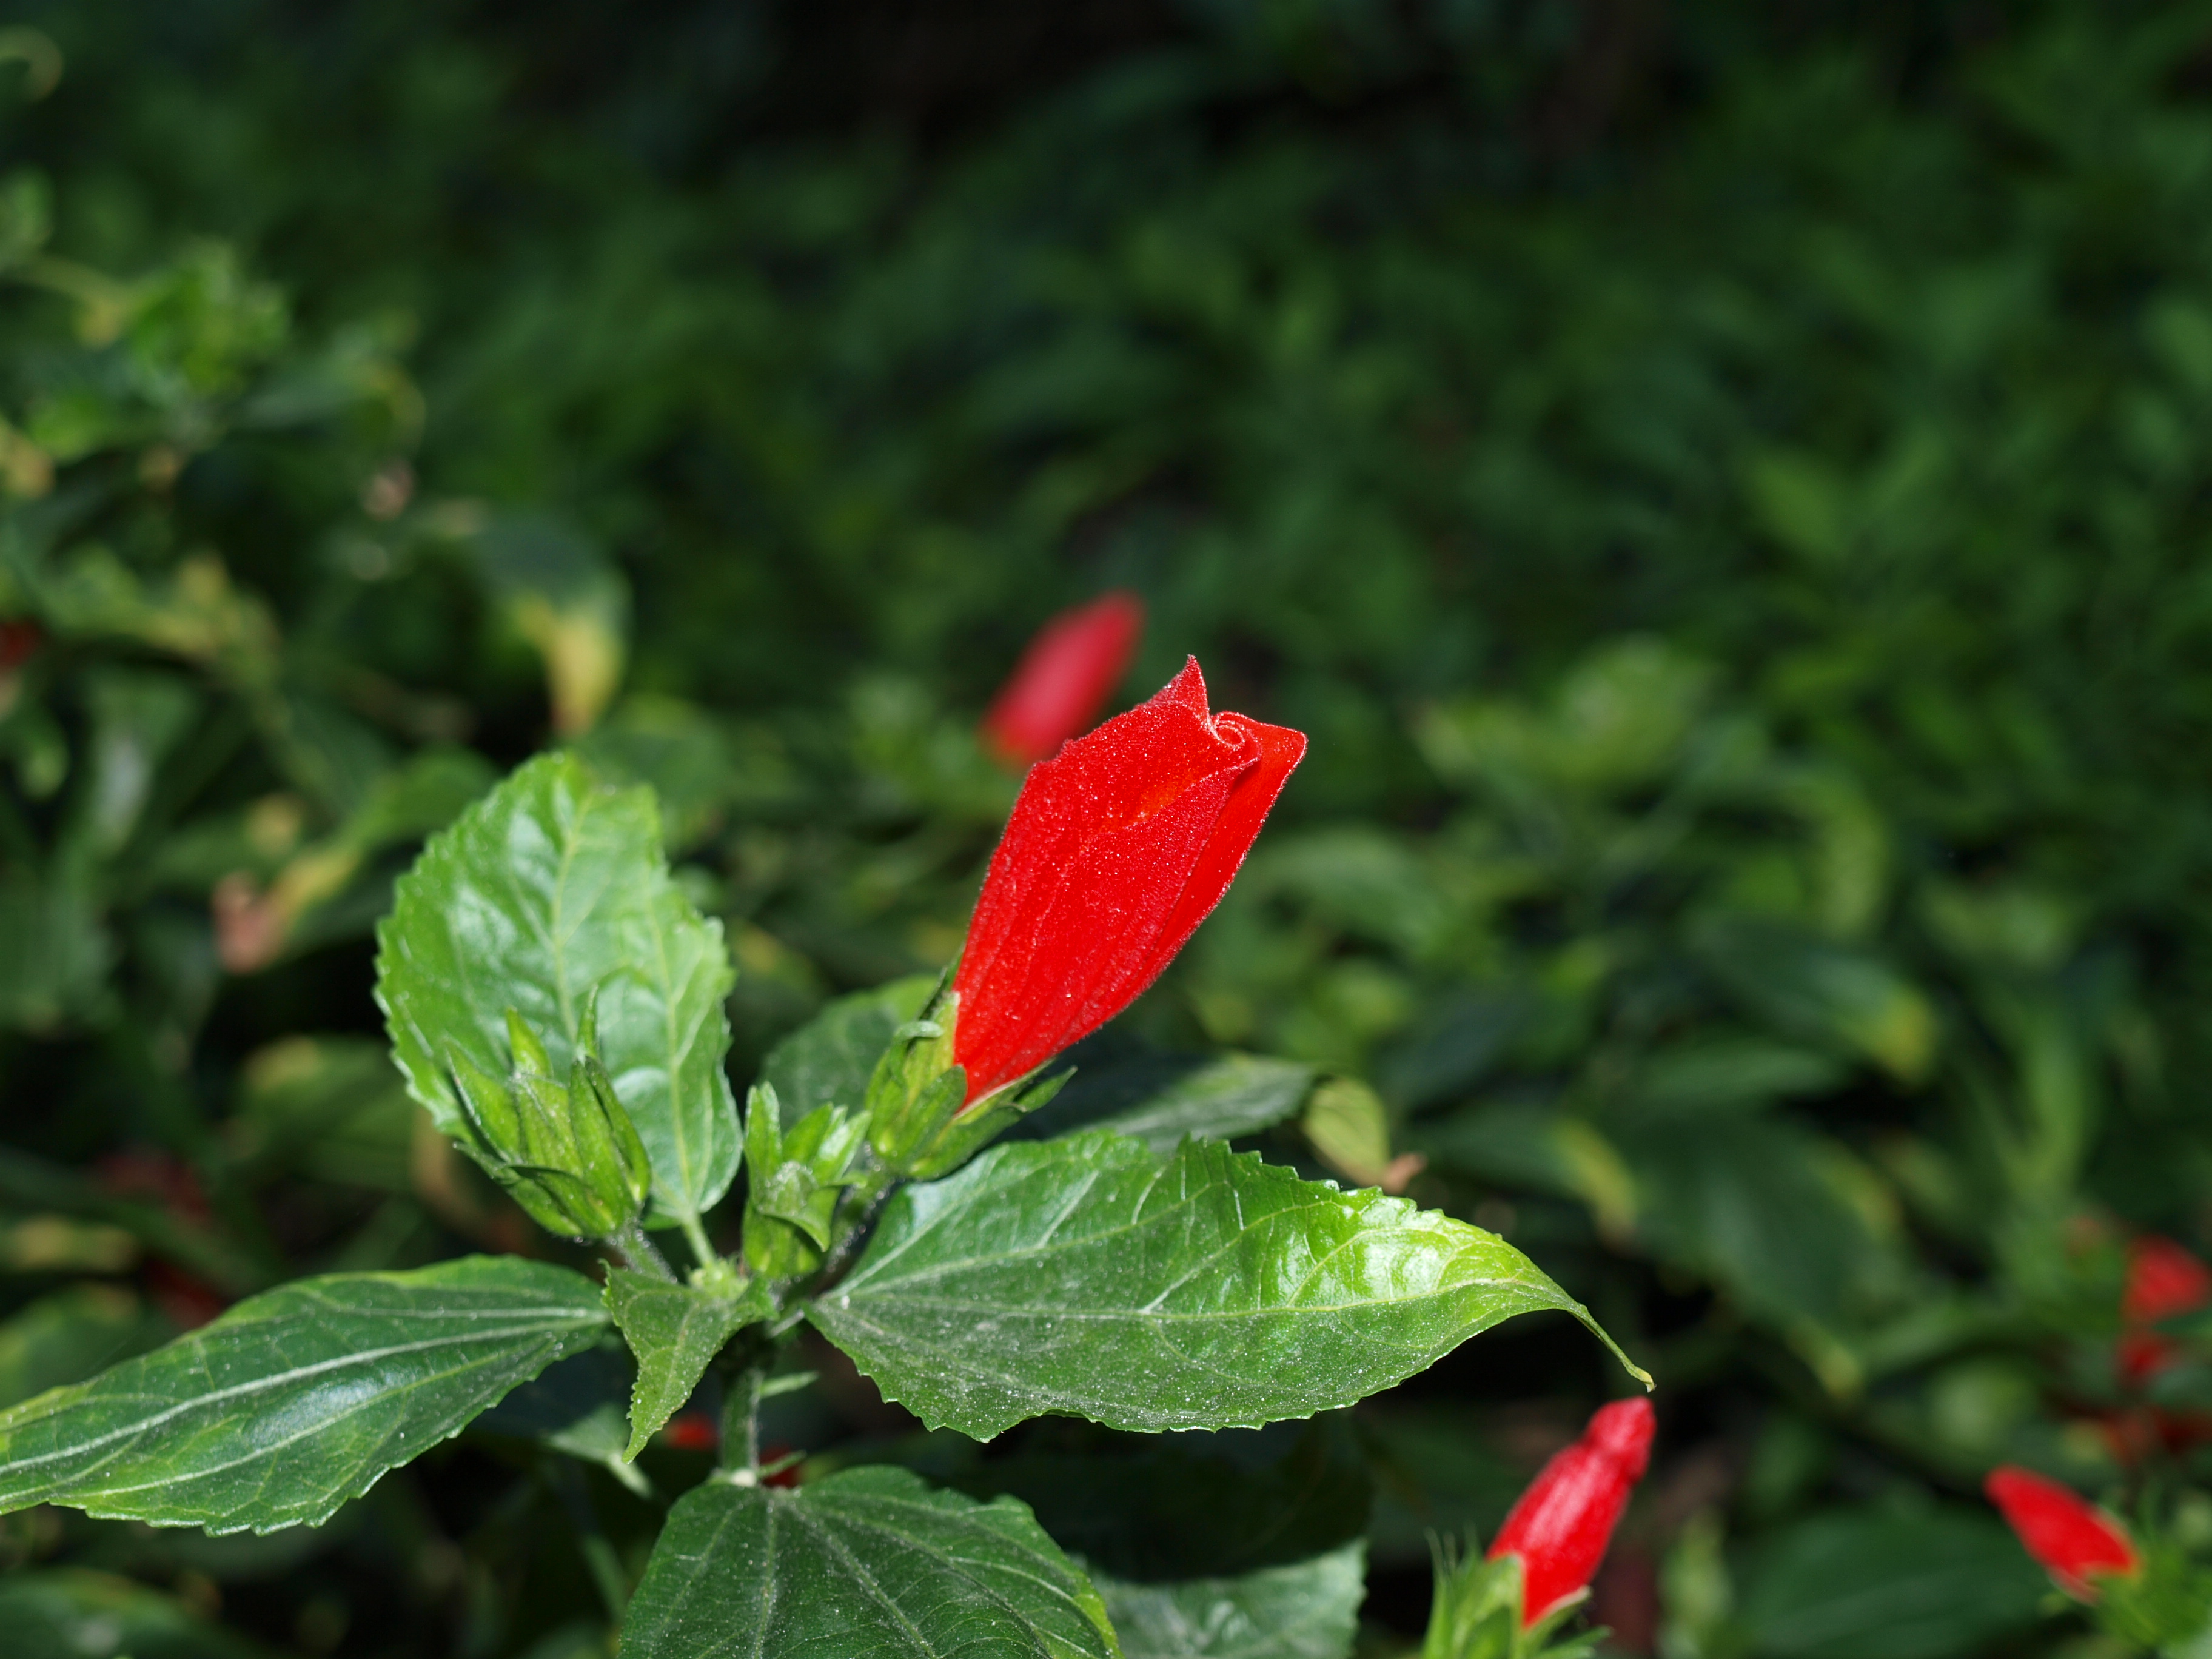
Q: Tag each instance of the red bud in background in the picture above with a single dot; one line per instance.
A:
(19, 640)
(1116, 849)
(1560, 1526)
(2164, 1280)
(1066, 674)
(2069, 1537)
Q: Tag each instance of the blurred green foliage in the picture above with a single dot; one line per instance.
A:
(1725, 489)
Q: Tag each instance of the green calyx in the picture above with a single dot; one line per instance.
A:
(919, 1119)
(795, 1179)
(2165, 1605)
(1476, 1611)
(565, 1151)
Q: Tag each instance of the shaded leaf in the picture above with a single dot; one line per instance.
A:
(69, 1613)
(1870, 1585)
(1206, 1290)
(1826, 992)
(1274, 1496)
(1160, 1098)
(872, 1564)
(675, 1330)
(548, 889)
(1308, 1610)
(68, 1335)
(578, 1405)
(297, 1398)
(827, 1061)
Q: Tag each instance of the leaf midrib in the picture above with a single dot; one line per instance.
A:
(242, 1390)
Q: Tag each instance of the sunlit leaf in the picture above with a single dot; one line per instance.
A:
(1206, 1289)
(297, 1398)
(870, 1563)
(549, 889)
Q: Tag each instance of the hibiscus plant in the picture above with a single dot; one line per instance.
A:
(918, 1196)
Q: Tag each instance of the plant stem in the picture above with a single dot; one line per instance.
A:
(696, 1236)
(741, 1421)
(631, 1248)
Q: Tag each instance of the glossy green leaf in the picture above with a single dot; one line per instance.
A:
(297, 1398)
(1160, 1098)
(872, 1564)
(1206, 1289)
(1307, 1610)
(675, 1330)
(829, 1060)
(549, 888)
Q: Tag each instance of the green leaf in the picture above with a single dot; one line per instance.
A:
(546, 890)
(68, 1335)
(1274, 1496)
(1160, 1098)
(870, 1563)
(56, 964)
(1207, 1289)
(1868, 1584)
(1308, 1610)
(1826, 992)
(829, 1060)
(297, 1398)
(578, 1405)
(69, 1613)
(674, 1330)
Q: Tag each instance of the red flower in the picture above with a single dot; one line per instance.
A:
(2068, 1537)
(1069, 670)
(1562, 1523)
(1117, 848)
(2164, 1280)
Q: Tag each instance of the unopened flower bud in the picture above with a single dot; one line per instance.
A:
(565, 1150)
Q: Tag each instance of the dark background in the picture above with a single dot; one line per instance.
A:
(1724, 488)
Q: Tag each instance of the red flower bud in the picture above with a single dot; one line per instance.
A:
(2164, 1280)
(1117, 848)
(2069, 1537)
(1562, 1523)
(1068, 671)
(19, 642)
(691, 1431)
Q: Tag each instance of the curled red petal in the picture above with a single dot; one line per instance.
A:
(1116, 849)
(1560, 1526)
(1063, 678)
(2069, 1537)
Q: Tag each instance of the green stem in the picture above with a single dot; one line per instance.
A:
(632, 1248)
(741, 1422)
(696, 1236)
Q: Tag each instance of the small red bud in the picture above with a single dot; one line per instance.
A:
(2069, 1537)
(19, 642)
(1068, 672)
(2164, 1280)
(691, 1431)
(1560, 1526)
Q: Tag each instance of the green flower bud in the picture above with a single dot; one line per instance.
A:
(917, 1120)
(567, 1152)
(794, 1180)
